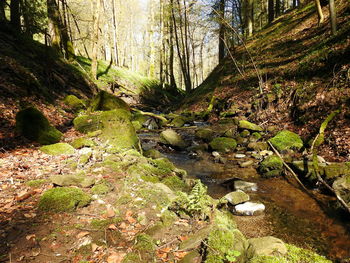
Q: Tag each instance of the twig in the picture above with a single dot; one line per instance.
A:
(288, 167)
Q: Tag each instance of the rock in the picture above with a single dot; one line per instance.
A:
(268, 246)
(74, 103)
(243, 124)
(205, 134)
(272, 166)
(286, 140)
(152, 153)
(72, 180)
(236, 197)
(266, 153)
(193, 256)
(196, 239)
(245, 186)
(115, 126)
(255, 137)
(240, 156)
(138, 120)
(245, 134)
(63, 199)
(101, 188)
(82, 142)
(249, 209)
(342, 187)
(258, 146)
(151, 124)
(57, 149)
(223, 144)
(105, 101)
(334, 170)
(33, 125)
(178, 122)
(172, 138)
(247, 164)
(231, 132)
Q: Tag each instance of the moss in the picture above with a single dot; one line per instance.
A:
(223, 144)
(243, 124)
(100, 224)
(172, 138)
(178, 121)
(286, 140)
(74, 103)
(84, 158)
(57, 149)
(101, 188)
(168, 218)
(295, 255)
(255, 136)
(272, 166)
(63, 199)
(152, 153)
(150, 178)
(245, 134)
(205, 134)
(36, 183)
(144, 243)
(258, 146)
(164, 165)
(82, 142)
(73, 180)
(132, 258)
(175, 183)
(33, 125)
(115, 126)
(105, 101)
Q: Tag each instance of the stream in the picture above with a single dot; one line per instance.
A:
(297, 217)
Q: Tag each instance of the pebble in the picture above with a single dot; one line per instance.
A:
(240, 155)
(249, 209)
(245, 186)
(247, 164)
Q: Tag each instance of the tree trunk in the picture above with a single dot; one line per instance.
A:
(319, 12)
(53, 16)
(171, 53)
(95, 37)
(278, 8)
(222, 30)
(271, 11)
(333, 17)
(2, 11)
(115, 43)
(249, 17)
(15, 16)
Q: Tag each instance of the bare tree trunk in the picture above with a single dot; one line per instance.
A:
(333, 17)
(271, 11)
(15, 16)
(54, 24)
(171, 52)
(278, 8)
(115, 43)
(249, 17)
(222, 30)
(2, 11)
(319, 12)
(95, 37)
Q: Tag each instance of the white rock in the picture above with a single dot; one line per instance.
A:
(240, 155)
(265, 153)
(245, 186)
(249, 209)
(216, 154)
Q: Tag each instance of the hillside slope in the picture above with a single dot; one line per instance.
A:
(305, 74)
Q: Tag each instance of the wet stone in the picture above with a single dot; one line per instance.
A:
(247, 164)
(237, 197)
(240, 156)
(245, 186)
(249, 209)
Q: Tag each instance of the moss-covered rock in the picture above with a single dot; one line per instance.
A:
(285, 140)
(175, 183)
(101, 188)
(115, 126)
(236, 197)
(36, 183)
(342, 187)
(243, 124)
(74, 103)
(57, 149)
(178, 121)
(33, 125)
(223, 144)
(268, 246)
(272, 166)
(105, 101)
(145, 247)
(172, 138)
(334, 170)
(205, 134)
(255, 137)
(63, 199)
(258, 146)
(196, 239)
(138, 120)
(82, 142)
(152, 153)
(72, 180)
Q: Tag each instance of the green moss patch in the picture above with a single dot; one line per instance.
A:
(82, 142)
(175, 183)
(172, 138)
(243, 124)
(223, 144)
(36, 183)
(74, 103)
(286, 140)
(205, 134)
(72, 180)
(63, 199)
(101, 188)
(272, 166)
(57, 149)
(105, 101)
(33, 125)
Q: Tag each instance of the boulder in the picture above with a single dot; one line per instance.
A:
(105, 101)
(178, 121)
(58, 149)
(72, 180)
(115, 126)
(82, 142)
(74, 103)
(268, 246)
(342, 187)
(236, 197)
(246, 164)
(33, 125)
(223, 144)
(172, 138)
(205, 134)
(272, 166)
(152, 153)
(243, 124)
(258, 146)
(196, 239)
(249, 209)
(286, 140)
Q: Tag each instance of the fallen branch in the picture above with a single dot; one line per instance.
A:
(319, 139)
(288, 167)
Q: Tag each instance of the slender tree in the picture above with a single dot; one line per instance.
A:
(54, 20)
(319, 12)
(2, 10)
(15, 15)
(221, 17)
(249, 17)
(95, 36)
(271, 11)
(333, 17)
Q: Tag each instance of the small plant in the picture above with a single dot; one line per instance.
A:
(232, 255)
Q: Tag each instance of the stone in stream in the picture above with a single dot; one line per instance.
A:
(236, 197)
(249, 209)
(247, 164)
(245, 186)
(172, 138)
(268, 246)
(240, 156)
(218, 158)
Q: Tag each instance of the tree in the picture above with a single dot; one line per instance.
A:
(249, 17)
(333, 17)
(15, 15)
(221, 17)
(2, 10)
(95, 8)
(271, 11)
(319, 12)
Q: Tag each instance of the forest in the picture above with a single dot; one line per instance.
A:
(190, 131)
